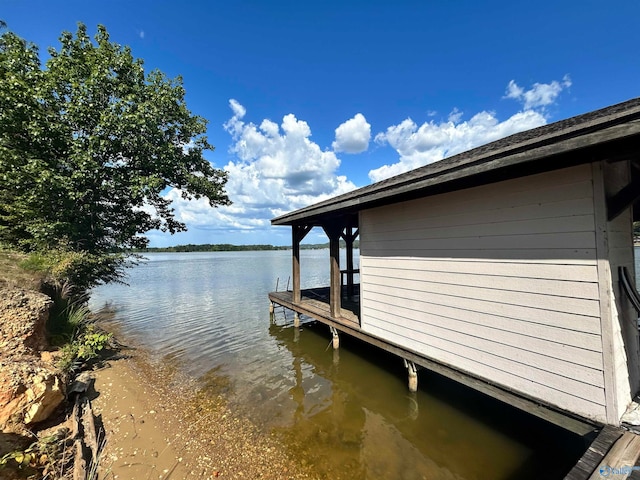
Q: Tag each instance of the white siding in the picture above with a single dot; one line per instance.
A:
(500, 281)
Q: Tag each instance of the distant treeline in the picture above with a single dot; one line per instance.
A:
(226, 247)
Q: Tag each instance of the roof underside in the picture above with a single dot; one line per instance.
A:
(612, 133)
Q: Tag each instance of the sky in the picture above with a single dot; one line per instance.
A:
(310, 99)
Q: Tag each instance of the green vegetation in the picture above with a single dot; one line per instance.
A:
(88, 144)
(207, 247)
(225, 247)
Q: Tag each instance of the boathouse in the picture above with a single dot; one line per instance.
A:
(509, 267)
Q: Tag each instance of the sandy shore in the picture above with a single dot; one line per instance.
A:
(160, 425)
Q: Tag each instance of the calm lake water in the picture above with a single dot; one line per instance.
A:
(347, 413)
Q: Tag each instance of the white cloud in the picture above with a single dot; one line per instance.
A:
(353, 135)
(430, 142)
(277, 169)
(540, 95)
(141, 34)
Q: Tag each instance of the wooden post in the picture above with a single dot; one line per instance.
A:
(298, 232)
(349, 236)
(334, 231)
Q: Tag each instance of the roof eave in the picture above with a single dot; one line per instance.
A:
(479, 165)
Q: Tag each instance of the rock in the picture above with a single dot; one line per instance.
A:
(43, 396)
(29, 392)
(23, 318)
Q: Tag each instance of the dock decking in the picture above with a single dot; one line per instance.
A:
(613, 454)
(314, 303)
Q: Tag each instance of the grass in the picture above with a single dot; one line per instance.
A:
(12, 273)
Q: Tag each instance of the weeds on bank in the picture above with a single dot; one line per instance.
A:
(74, 330)
(38, 459)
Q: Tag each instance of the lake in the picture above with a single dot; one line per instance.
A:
(348, 413)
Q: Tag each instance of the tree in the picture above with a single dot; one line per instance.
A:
(89, 144)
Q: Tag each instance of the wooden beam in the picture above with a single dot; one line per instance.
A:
(298, 232)
(334, 231)
(592, 458)
(619, 202)
(619, 461)
(349, 237)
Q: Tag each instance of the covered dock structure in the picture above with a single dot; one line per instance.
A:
(509, 267)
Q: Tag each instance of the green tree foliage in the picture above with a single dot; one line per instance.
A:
(88, 144)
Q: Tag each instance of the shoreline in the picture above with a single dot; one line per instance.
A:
(161, 424)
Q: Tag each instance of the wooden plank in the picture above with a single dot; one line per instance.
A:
(421, 290)
(537, 315)
(540, 212)
(538, 241)
(551, 333)
(479, 350)
(492, 227)
(510, 343)
(571, 422)
(584, 256)
(561, 288)
(594, 454)
(546, 201)
(565, 374)
(470, 266)
(522, 385)
(614, 410)
(373, 225)
(621, 458)
(518, 192)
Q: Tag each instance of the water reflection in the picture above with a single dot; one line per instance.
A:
(350, 424)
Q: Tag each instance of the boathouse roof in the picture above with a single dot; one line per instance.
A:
(611, 134)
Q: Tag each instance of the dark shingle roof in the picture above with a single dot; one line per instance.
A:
(548, 147)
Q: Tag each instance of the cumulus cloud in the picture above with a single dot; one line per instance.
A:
(430, 142)
(353, 135)
(276, 169)
(540, 95)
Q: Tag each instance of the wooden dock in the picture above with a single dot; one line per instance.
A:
(614, 454)
(314, 303)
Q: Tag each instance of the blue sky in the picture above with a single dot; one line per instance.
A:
(309, 99)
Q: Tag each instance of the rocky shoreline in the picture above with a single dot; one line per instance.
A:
(32, 388)
(150, 421)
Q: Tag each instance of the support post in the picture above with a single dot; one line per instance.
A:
(296, 319)
(334, 232)
(298, 232)
(336, 338)
(413, 375)
(349, 236)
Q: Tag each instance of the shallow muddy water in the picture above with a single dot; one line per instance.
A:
(346, 413)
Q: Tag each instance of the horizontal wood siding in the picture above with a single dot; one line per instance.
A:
(500, 281)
